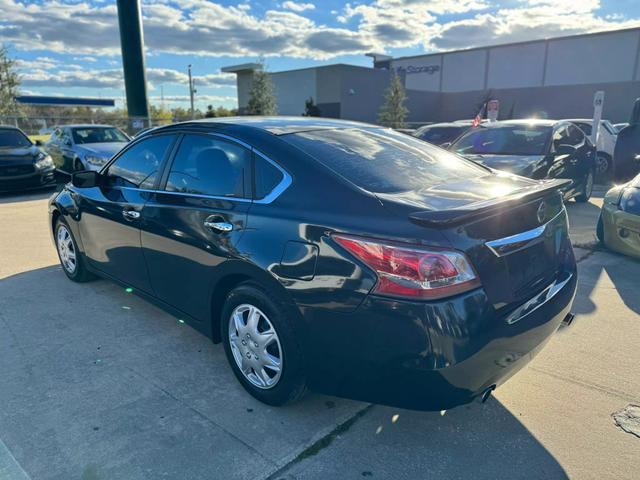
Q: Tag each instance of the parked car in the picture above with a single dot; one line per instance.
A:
(606, 144)
(84, 147)
(619, 222)
(535, 149)
(23, 165)
(442, 133)
(332, 255)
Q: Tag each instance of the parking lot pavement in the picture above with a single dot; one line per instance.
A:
(98, 384)
(583, 218)
(552, 420)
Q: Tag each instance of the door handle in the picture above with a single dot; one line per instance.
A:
(131, 214)
(218, 225)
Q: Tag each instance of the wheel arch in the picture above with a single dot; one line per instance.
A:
(232, 274)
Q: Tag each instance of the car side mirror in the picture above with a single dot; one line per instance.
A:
(565, 150)
(86, 179)
(39, 143)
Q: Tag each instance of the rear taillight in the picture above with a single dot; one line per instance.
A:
(415, 272)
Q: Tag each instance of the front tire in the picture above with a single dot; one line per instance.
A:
(260, 345)
(587, 190)
(71, 260)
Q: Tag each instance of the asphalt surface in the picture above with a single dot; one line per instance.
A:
(96, 383)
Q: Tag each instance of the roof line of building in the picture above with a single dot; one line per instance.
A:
(524, 42)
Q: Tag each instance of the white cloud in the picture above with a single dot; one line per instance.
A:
(113, 79)
(207, 28)
(298, 7)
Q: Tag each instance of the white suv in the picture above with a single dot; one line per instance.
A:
(606, 144)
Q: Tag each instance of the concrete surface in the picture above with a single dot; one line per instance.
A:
(96, 383)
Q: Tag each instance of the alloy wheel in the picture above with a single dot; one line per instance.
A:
(255, 346)
(602, 164)
(66, 249)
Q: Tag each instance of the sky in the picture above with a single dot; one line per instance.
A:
(72, 47)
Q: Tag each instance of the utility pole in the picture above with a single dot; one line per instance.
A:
(132, 45)
(191, 93)
(162, 97)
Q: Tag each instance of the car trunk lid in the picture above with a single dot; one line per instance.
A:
(513, 230)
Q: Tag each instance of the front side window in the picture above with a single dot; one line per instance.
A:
(383, 161)
(504, 140)
(206, 165)
(576, 137)
(97, 135)
(10, 138)
(138, 167)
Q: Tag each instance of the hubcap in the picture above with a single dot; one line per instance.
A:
(66, 249)
(255, 346)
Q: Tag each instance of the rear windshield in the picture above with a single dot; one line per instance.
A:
(504, 140)
(13, 138)
(440, 135)
(383, 161)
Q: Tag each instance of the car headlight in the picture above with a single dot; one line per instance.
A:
(95, 161)
(630, 200)
(43, 161)
(613, 196)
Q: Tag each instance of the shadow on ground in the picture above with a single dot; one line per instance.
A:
(99, 383)
(473, 441)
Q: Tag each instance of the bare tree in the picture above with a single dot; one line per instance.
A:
(9, 82)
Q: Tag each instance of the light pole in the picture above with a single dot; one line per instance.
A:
(191, 94)
(132, 45)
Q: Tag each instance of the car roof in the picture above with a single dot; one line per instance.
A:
(84, 125)
(274, 125)
(524, 121)
(458, 124)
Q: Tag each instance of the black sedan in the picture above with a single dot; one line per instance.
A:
(535, 149)
(23, 165)
(442, 134)
(330, 255)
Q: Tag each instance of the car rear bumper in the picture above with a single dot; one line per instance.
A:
(38, 179)
(436, 355)
(621, 230)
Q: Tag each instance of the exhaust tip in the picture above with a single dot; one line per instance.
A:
(568, 320)
(487, 394)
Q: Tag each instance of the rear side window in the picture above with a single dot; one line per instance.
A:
(267, 177)
(205, 165)
(138, 167)
(383, 161)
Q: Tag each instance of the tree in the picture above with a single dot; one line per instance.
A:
(9, 82)
(393, 111)
(262, 100)
(310, 108)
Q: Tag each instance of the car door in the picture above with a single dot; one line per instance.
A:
(563, 160)
(67, 152)
(53, 148)
(111, 213)
(193, 223)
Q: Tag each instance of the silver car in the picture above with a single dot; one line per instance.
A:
(84, 147)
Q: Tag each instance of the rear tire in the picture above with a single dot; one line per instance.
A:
(587, 190)
(247, 350)
(71, 259)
